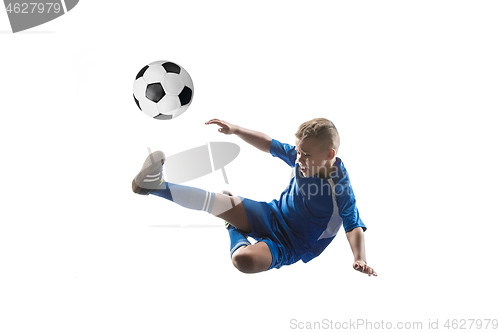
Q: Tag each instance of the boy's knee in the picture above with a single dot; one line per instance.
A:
(244, 261)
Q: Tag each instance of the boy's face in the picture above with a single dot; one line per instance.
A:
(313, 158)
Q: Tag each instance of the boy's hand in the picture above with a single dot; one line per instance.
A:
(362, 267)
(225, 127)
(257, 139)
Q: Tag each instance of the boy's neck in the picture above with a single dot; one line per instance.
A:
(331, 169)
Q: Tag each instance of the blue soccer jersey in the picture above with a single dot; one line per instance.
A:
(311, 210)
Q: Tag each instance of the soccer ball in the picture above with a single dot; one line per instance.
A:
(163, 90)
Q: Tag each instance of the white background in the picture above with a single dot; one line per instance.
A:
(412, 86)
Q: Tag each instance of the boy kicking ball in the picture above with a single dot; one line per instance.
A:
(298, 226)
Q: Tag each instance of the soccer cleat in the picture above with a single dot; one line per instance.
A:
(151, 175)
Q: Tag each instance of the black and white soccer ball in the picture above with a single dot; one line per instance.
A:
(163, 90)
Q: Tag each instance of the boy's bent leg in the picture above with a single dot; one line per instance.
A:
(253, 258)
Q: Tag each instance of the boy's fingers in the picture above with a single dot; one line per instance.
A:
(371, 271)
(364, 268)
(222, 124)
(213, 121)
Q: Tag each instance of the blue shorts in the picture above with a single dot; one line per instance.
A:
(265, 228)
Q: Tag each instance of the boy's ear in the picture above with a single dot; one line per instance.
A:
(332, 154)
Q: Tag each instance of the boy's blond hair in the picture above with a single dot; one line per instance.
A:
(323, 130)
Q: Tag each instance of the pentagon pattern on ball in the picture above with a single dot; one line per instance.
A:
(185, 96)
(155, 92)
(141, 72)
(163, 90)
(170, 67)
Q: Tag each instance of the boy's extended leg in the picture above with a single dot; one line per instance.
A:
(231, 209)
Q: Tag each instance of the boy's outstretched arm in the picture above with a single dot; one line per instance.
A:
(256, 139)
(356, 239)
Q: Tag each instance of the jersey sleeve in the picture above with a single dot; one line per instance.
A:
(284, 151)
(348, 210)
(346, 202)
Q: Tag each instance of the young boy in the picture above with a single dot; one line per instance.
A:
(298, 226)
